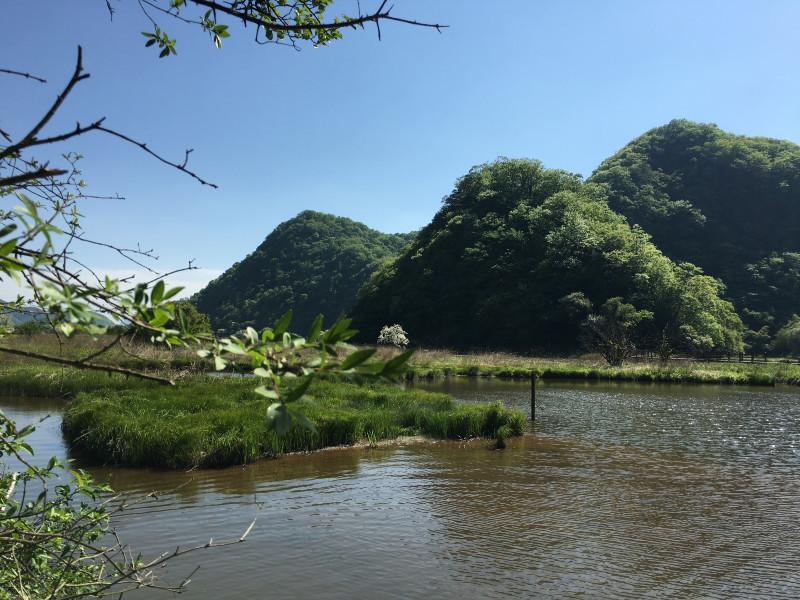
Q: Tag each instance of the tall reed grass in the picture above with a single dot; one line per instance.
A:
(216, 423)
(435, 364)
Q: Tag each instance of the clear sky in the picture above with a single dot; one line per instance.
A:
(379, 131)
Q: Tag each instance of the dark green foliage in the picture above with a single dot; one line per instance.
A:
(771, 290)
(314, 263)
(189, 319)
(220, 422)
(517, 257)
(787, 340)
(612, 331)
(31, 327)
(728, 203)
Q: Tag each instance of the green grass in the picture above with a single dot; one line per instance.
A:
(215, 423)
(427, 364)
(49, 381)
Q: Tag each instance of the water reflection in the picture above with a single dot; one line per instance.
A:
(622, 491)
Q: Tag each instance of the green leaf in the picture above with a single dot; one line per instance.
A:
(172, 292)
(283, 324)
(8, 247)
(161, 318)
(356, 358)
(303, 420)
(316, 328)
(397, 364)
(297, 391)
(278, 418)
(10, 228)
(337, 330)
(158, 292)
(220, 363)
(267, 393)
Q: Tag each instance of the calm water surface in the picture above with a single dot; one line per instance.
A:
(622, 491)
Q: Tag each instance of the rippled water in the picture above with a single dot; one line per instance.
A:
(622, 491)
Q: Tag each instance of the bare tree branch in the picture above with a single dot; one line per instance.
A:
(248, 16)
(83, 364)
(22, 178)
(77, 76)
(21, 74)
(180, 166)
(30, 140)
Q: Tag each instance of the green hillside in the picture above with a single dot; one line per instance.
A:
(728, 203)
(519, 256)
(314, 263)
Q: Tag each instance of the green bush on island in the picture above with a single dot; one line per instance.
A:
(216, 423)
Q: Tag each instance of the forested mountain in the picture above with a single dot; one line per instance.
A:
(728, 203)
(314, 263)
(522, 257)
(519, 256)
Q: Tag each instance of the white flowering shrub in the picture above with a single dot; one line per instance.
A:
(393, 335)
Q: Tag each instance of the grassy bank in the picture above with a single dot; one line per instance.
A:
(133, 355)
(434, 364)
(51, 381)
(212, 423)
(425, 364)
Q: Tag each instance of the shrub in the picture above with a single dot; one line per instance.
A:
(393, 335)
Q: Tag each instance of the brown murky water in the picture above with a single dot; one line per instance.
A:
(622, 491)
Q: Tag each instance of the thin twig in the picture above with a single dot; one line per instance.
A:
(378, 15)
(21, 74)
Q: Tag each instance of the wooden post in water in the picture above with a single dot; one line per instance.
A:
(534, 377)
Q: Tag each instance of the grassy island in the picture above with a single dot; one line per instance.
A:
(215, 422)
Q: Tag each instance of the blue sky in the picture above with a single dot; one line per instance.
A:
(379, 131)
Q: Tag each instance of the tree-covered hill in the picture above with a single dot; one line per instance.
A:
(519, 257)
(728, 203)
(314, 263)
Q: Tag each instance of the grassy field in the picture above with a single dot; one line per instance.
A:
(135, 355)
(213, 422)
(433, 364)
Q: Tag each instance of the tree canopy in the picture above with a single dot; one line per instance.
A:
(519, 256)
(314, 263)
(728, 203)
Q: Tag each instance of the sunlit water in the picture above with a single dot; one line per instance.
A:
(622, 491)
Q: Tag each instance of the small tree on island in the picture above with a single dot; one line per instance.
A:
(393, 335)
(612, 331)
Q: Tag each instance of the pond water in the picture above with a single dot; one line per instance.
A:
(621, 491)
